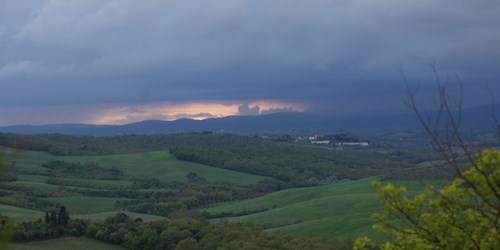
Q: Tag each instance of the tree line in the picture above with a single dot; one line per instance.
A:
(68, 145)
(167, 234)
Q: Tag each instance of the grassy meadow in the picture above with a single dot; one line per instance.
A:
(341, 210)
(159, 164)
(164, 166)
(18, 214)
(85, 204)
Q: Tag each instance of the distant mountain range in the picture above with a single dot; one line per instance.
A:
(476, 117)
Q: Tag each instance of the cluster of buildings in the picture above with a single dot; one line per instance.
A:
(331, 139)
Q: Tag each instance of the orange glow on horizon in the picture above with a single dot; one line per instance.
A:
(128, 113)
(125, 113)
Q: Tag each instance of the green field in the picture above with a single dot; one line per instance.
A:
(18, 214)
(104, 215)
(38, 186)
(339, 210)
(32, 178)
(68, 243)
(98, 184)
(164, 166)
(84, 204)
(25, 158)
(159, 164)
(38, 183)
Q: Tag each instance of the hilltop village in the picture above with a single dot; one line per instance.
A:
(325, 139)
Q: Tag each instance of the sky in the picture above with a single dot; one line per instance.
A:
(121, 61)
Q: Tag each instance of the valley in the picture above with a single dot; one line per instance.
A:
(298, 190)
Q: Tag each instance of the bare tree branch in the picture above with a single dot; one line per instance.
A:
(494, 115)
(444, 131)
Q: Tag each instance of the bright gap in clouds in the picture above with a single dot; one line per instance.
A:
(128, 113)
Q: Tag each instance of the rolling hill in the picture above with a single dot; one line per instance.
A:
(339, 210)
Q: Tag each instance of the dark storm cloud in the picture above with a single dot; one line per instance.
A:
(276, 110)
(338, 56)
(245, 109)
